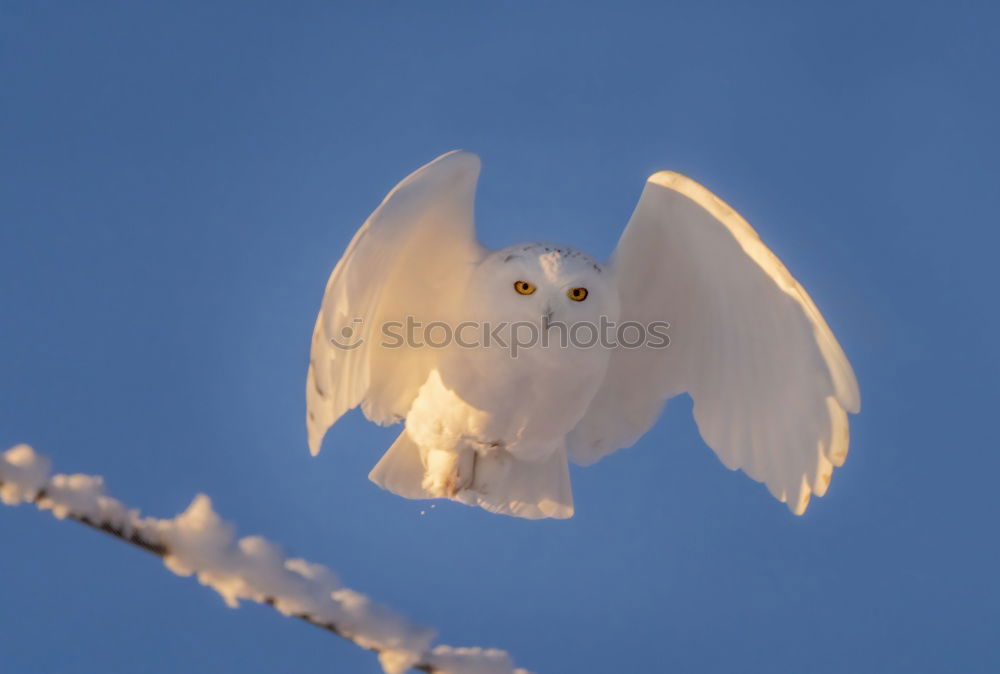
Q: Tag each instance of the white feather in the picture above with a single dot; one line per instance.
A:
(771, 385)
(411, 258)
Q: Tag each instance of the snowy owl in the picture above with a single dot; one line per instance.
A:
(421, 325)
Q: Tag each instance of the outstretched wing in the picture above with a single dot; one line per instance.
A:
(771, 385)
(410, 259)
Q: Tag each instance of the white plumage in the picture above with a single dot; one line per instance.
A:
(771, 385)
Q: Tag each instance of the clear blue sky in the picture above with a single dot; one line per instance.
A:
(178, 180)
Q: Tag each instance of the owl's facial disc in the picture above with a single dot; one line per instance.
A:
(543, 281)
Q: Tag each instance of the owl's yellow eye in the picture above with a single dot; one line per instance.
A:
(524, 287)
(577, 294)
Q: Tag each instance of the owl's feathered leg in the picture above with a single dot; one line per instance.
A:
(480, 474)
(448, 472)
(413, 471)
(504, 483)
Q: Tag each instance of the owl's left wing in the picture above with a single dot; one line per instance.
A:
(771, 385)
(408, 262)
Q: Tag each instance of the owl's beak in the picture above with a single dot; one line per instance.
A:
(547, 316)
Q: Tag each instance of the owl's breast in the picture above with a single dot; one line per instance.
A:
(523, 403)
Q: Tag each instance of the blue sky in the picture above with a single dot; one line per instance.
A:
(179, 179)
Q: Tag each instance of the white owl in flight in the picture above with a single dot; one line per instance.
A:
(486, 426)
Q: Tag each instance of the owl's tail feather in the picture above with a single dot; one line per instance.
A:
(401, 470)
(501, 483)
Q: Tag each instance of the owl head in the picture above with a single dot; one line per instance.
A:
(535, 281)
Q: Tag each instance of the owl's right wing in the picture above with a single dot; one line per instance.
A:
(411, 258)
(771, 385)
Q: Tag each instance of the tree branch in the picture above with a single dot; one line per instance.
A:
(198, 542)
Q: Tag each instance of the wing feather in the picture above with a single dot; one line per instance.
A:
(771, 385)
(409, 259)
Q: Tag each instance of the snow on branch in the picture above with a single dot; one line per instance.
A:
(198, 542)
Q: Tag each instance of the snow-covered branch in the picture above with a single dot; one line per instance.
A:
(198, 542)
